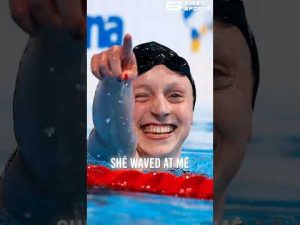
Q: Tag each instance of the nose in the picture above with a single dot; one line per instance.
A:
(160, 107)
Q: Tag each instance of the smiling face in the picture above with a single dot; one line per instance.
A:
(163, 112)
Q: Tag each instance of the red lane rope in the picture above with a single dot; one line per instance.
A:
(190, 186)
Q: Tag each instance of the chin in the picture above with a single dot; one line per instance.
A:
(159, 147)
(158, 151)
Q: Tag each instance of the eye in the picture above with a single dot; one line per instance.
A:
(176, 97)
(142, 97)
(222, 79)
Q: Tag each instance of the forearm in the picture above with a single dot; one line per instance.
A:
(113, 119)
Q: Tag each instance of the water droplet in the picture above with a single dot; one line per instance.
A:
(108, 94)
(51, 69)
(121, 101)
(123, 123)
(98, 156)
(120, 152)
(49, 131)
(107, 120)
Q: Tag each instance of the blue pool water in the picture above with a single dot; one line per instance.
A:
(111, 207)
(143, 209)
(115, 208)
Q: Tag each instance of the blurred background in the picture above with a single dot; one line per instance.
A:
(268, 184)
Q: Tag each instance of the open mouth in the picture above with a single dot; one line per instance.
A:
(158, 129)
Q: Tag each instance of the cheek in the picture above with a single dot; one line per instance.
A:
(184, 114)
(232, 113)
(139, 111)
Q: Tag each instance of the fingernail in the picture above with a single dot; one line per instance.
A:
(125, 76)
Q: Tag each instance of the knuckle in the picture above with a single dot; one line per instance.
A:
(97, 58)
(115, 49)
(105, 54)
(94, 58)
(102, 58)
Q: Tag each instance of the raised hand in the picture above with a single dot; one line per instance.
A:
(117, 61)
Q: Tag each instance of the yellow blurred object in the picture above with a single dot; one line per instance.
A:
(196, 45)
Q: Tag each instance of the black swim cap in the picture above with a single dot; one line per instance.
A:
(233, 12)
(151, 54)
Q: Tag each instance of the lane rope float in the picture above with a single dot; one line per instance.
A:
(188, 185)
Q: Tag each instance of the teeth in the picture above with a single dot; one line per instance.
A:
(159, 129)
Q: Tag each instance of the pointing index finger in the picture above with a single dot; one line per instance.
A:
(127, 46)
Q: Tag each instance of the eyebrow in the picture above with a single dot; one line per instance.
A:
(168, 87)
(143, 86)
(175, 84)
